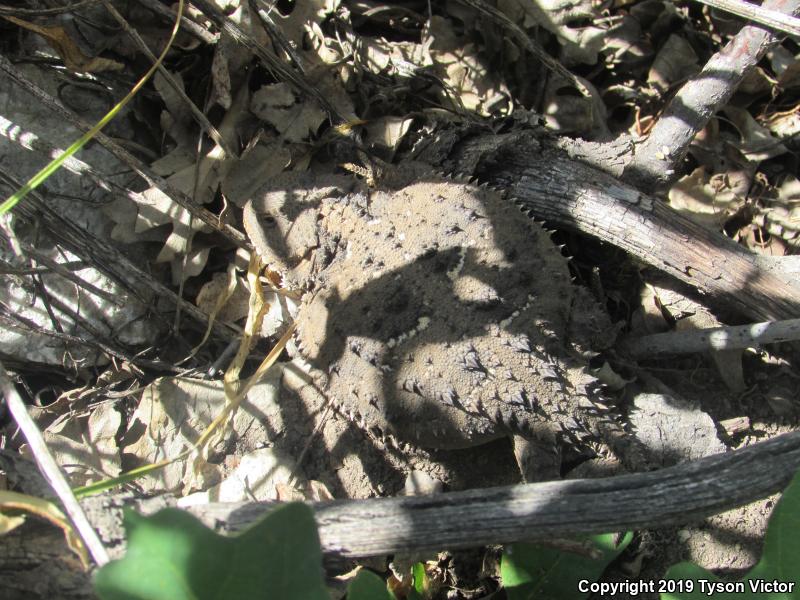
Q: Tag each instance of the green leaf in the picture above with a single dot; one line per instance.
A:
(368, 586)
(780, 561)
(172, 556)
(531, 571)
(422, 585)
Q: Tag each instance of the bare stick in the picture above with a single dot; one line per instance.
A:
(51, 471)
(43, 12)
(656, 159)
(714, 338)
(677, 495)
(568, 194)
(758, 14)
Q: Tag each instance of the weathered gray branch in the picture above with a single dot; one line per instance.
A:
(567, 193)
(360, 528)
(467, 519)
(656, 159)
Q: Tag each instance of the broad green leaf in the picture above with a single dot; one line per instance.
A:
(531, 571)
(368, 586)
(780, 562)
(172, 556)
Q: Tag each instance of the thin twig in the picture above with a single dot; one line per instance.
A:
(758, 14)
(44, 12)
(54, 267)
(201, 119)
(50, 469)
(186, 23)
(144, 171)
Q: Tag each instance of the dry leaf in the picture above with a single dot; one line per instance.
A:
(74, 59)
(757, 143)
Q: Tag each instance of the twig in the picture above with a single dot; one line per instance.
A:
(565, 193)
(50, 469)
(714, 338)
(61, 270)
(656, 159)
(145, 172)
(758, 14)
(44, 12)
(186, 23)
(201, 119)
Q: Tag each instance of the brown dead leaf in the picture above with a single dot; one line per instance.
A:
(74, 59)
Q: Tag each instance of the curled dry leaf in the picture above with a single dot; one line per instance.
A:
(709, 200)
(74, 59)
(13, 506)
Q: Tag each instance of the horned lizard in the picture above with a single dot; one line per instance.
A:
(434, 312)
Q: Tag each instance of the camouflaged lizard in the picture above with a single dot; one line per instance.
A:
(435, 313)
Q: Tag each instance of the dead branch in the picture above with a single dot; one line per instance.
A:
(360, 528)
(50, 469)
(565, 193)
(656, 159)
(758, 14)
